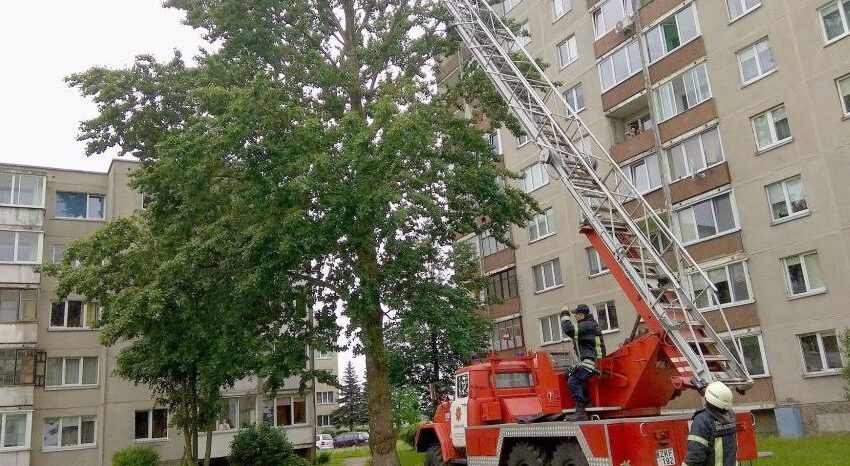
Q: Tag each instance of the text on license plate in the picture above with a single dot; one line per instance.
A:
(665, 457)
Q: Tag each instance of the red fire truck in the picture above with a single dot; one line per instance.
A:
(511, 411)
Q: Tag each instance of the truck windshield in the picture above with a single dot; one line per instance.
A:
(513, 379)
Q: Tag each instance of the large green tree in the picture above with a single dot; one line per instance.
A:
(317, 127)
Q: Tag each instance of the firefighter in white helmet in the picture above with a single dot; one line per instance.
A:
(711, 441)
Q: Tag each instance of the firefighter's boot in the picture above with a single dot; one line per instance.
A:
(579, 415)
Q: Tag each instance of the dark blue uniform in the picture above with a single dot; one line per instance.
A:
(589, 346)
(712, 441)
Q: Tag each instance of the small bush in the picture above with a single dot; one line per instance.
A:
(323, 458)
(135, 456)
(407, 434)
(263, 445)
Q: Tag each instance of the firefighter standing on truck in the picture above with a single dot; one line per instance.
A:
(711, 441)
(589, 347)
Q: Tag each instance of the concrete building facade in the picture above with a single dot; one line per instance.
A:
(59, 402)
(732, 117)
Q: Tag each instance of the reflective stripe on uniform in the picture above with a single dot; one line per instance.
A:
(589, 363)
(698, 439)
(718, 451)
(599, 348)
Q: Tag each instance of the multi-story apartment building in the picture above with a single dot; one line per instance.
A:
(732, 117)
(59, 402)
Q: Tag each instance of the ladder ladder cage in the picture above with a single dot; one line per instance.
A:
(631, 229)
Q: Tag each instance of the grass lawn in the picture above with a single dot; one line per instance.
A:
(825, 450)
(407, 455)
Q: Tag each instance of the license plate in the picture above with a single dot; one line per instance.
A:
(665, 457)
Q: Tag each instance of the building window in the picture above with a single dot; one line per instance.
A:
(756, 61)
(323, 420)
(547, 275)
(645, 174)
(241, 412)
(683, 92)
(575, 98)
(707, 219)
(671, 33)
(821, 352)
(22, 247)
(696, 154)
(72, 431)
(803, 274)
(324, 398)
(17, 367)
(771, 128)
(15, 431)
(787, 198)
(738, 8)
(568, 51)
(495, 142)
(638, 125)
(835, 19)
(594, 262)
(17, 305)
(489, 244)
(503, 285)
(523, 38)
(74, 314)
(542, 225)
(606, 316)
(71, 372)
(151, 424)
(550, 329)
(534, 177)
(732, 282)
(510, 4)
(844, 93)
(561, 7)
(507, 334)
(522, 140)
(290, 411)
(751, 348)
(620, 65)
(80, 205)
(605, 18)
(321, 355)
(21, 190)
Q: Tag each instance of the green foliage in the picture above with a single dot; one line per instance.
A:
(407, 434)
(822, 450)
(405, 407)
(844, 341)
(263, 445)
(322, 457)
(135, 456)
(352, 409)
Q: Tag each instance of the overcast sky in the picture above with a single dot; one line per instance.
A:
(43, 42)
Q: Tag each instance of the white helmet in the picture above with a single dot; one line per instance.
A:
(718, 394)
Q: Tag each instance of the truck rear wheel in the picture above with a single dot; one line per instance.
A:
(568, 454)
(434, 456)
(526, 454)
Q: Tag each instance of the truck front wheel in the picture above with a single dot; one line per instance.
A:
(526, 454)
(434, 456)
(568, 454)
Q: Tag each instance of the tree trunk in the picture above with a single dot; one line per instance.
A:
(382, 437)
(208, 446)
(187, 447)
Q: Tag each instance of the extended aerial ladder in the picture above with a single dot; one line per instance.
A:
(634, 241)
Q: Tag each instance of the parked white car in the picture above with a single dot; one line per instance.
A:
(324, 442)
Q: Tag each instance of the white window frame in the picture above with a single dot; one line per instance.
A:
(775, 141)
(667, 88)
(591, 252)
(553, 322)
(845, 21)
(237, 422)
(565, 6)
(86, 308)
(786, 196)
(64, 384)
(88, 214)
(753, 49)
(712, 305)
(681, 43)
(809, 290)
(552, 264)
(629, 171)
(21, 317)
(595, 310)
(536, 168)
(512, 322)
(38, 251)
(820, 334)
(737, 336)
(547, 219)
(495, 137)
(319, 418)
(573, 94)
(690, 172)
(498, 245)
(572, 50)
(79, 445)
(744, 10)
(609, 60)
(509, 5)
(291, 411)
(27, 432)
(149, 438)
(711, 198)
(325, 397)
(318, 354)
(625, 9)
(845, 103)
(16, 186)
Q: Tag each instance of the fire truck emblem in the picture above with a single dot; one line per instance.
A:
(457, 414)
(626, 463)
(550, 395)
